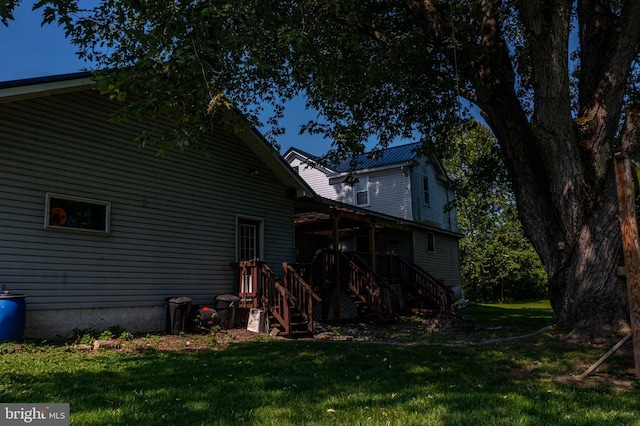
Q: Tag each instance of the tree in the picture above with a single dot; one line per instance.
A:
(498, 262)
(386, 68)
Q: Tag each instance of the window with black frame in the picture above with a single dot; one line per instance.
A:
(70, 213)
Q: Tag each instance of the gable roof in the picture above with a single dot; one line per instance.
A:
(296, 151)
(16, 90)
(311, 160)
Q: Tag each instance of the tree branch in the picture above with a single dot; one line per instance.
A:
(604, 84)
(429, 15)
(547, 23)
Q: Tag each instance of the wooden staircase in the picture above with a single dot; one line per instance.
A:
(334, 272)
(419, 289)
(289, 301)
(396, 286)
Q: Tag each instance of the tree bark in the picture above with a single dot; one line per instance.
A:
(561, 169)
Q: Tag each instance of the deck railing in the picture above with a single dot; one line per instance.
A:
(390, 295)
(409, 275)
(332, 268)
(259, 287)
(302, 294)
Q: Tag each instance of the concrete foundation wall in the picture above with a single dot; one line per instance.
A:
(47, 324)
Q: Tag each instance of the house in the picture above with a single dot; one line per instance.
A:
(98, 232)
(407, 191)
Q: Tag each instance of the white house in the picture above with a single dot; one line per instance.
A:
(400, 183)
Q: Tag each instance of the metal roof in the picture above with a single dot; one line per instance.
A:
(393, 155)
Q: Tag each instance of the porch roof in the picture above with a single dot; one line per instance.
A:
(316, 216)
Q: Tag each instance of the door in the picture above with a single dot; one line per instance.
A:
(249, 248)
(249, 240)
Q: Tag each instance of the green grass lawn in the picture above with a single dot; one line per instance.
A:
(307, 382)
(517, 317)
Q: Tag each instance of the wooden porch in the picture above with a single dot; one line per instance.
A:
(317, 291)
(331, 281)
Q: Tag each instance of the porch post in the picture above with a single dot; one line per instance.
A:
(337, 285)
(372, 245)
(630, 247)
(336, 232)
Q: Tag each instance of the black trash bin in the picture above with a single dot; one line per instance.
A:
(226, 308)
(177, 314)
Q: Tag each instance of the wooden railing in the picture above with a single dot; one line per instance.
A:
(276, 298)
(296, 295)
(302, 294)
(411, 276)
(332, 268)
(390, 297)
(258, 287)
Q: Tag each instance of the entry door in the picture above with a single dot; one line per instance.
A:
(249, 239)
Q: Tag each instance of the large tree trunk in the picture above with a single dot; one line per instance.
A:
(561, 168)
(587, 296)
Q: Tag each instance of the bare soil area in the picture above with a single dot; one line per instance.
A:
(403, 332)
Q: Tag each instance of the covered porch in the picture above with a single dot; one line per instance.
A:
(352, 263)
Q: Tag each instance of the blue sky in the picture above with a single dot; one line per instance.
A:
(28, 50)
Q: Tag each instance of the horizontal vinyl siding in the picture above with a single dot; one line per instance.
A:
(436, 213)
(318, 180)
(396, 242)
(315, 178)
(444, 263)
(389, 192)
(173, 217)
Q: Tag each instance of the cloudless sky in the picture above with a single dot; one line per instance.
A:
(28, 50)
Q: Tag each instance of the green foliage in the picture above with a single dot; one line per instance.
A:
(106, 335)
(498, 262)
(190, 61)
(85, 336)
(88, 335)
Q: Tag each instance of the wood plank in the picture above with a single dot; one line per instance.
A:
(631, 247)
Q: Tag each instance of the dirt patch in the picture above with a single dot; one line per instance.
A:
(214, 341)
(405, 331)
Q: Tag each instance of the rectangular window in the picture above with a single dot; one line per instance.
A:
(69, 213)
(248, 239)
(425, 190)
(362, 191)
(431, 242)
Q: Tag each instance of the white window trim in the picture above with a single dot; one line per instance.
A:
(355, 192)
(426, 190)
(260, 222)
(431, 235)
(47, 214)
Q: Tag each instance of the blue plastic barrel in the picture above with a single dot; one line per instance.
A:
(13, 312)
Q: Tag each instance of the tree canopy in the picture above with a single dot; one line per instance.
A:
(497, 262)
(555, 80)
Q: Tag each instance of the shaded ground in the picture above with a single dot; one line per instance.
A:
(404, 331)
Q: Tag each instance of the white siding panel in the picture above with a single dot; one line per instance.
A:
(318, 180)
(315, 178)
(389, 192)
(172, 217)
(444, 264)
(436, 213)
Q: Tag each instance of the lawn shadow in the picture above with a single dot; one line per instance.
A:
(312, 382)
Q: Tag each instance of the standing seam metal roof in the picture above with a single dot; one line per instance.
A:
(393, 155)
